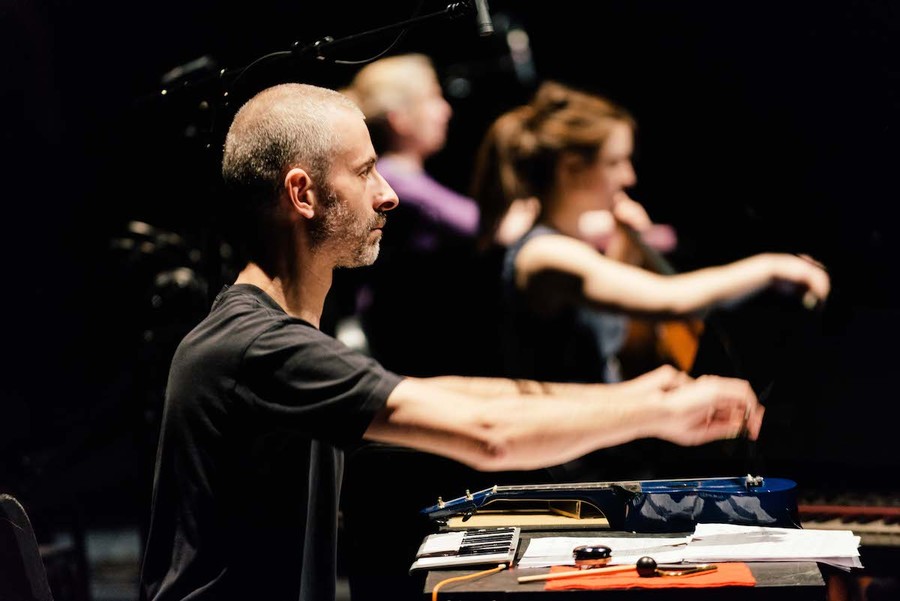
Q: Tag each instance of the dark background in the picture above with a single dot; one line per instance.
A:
(762, 126)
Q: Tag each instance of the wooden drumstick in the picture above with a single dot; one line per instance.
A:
(570, 574)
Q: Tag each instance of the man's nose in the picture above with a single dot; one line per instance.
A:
(386, 199)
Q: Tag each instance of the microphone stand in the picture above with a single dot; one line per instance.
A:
(317, 48)
(225, 80)
(220, 90)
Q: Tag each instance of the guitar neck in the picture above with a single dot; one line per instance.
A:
(635, 485)
(652, 257)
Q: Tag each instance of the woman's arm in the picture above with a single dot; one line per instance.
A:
(613, 285)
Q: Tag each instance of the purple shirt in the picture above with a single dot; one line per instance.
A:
(442, 210)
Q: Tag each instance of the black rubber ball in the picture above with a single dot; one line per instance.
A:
(646, 566)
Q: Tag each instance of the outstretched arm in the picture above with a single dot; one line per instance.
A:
(661, 379)
(529, 431)
(614, 285)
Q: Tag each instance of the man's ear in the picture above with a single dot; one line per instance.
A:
(299, 188)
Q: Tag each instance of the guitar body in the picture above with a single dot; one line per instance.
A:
(678, 341)
(651, 343)
(648, 505)
(678, 505)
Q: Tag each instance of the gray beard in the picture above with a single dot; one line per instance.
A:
(337, 229)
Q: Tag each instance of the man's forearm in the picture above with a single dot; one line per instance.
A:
(490, 387)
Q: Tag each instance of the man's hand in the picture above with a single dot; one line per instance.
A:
(711, 408)
(663, 378)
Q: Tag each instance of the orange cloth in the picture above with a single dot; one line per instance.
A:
(727, 574)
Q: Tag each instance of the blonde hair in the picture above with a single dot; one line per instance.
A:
(386, 85)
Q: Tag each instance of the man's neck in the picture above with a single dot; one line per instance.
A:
(302, 296)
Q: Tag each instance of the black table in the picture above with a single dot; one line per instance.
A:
(784, 580)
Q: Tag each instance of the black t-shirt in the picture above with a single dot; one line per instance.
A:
(259, 406)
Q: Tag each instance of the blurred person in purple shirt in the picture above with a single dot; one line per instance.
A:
(425, 307)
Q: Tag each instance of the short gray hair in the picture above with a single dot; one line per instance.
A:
(281, 127)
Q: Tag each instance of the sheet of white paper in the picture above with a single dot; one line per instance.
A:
(557, 550)
(729, 542)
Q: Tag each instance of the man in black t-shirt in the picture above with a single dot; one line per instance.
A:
(260, 403)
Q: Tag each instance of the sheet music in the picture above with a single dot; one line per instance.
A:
(729, 542)
(557, 550)
(710, 543)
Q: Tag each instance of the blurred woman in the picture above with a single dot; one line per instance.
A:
(568, 280)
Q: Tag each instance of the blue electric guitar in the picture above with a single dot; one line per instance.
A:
(641, 505)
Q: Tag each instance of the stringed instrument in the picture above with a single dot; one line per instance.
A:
(672, 341)
(642, 505)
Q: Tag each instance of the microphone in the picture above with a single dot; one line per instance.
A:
(483, 17)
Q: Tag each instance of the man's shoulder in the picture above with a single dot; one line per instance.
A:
(240, 316)
(243, 310)
(243, 297)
